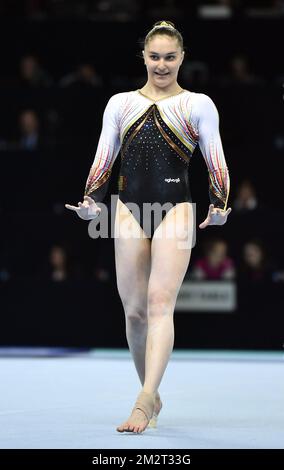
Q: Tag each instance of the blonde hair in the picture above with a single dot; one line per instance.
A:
(166, 28)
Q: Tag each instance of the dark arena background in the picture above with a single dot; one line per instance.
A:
(60, 63)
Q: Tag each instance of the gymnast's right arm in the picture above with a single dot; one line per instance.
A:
(100, 171)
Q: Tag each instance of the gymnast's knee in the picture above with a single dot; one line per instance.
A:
(136, 314)
(160, 302)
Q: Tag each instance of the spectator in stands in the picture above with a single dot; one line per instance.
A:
(85, 76)
(32, 74)
(240, 70)
(59, 266)
(29, 130)
(255, 265)
(27, 136)
(216, 264)
(29, 133)
(246, 199)
(240, 73)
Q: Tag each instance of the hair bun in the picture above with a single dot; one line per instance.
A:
(164, 24)
(163, 28)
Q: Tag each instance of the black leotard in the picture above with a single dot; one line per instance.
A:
(157, 140)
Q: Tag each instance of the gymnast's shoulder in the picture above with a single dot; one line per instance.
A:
(202, 105)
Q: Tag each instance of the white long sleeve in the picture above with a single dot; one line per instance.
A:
(107, 150)
(207, 121)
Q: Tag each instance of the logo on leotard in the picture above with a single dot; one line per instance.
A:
(172, 180)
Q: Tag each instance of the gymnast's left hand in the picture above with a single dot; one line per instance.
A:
(215, 216)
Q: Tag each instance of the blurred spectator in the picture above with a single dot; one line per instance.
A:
(240, 73)
(59, 267)
(216, 264)
(85, 76)
(32, 75)
(246, 199)
(58, 264)
(29, 134)
(29, 130)
(254, 266)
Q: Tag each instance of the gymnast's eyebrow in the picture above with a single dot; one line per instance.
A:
(168, 53)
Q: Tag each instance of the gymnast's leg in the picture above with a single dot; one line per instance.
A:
(168, 266)
(132, 260)
(133, 264)
(170, 259)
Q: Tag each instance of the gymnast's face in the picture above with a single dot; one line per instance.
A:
(163, 57)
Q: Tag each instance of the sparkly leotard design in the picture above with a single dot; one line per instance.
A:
(156, 140)
(154, 167)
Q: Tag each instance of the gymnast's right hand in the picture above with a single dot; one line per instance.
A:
(87, 210)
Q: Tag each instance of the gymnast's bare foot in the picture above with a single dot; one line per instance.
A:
(141, 414)
(137, 422)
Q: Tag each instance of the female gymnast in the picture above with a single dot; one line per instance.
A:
(156, 129)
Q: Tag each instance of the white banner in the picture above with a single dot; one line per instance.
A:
(207, 296)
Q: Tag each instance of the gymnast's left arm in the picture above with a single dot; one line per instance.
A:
(212, 150)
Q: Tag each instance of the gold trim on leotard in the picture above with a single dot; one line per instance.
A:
(193, 135)
(165, 97)
(150, 110)
(169, 140)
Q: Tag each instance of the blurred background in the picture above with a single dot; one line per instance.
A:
(60, 63)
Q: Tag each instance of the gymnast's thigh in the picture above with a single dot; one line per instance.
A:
(132, 257)
(171, 250)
